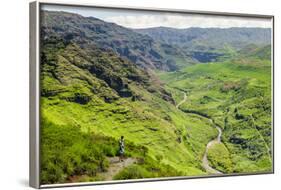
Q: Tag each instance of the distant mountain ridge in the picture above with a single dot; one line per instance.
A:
(211, 38)
(159, 48)
(89, 31)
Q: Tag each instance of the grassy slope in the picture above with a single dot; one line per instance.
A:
(237, 96)
(99, 95)
(74, 97)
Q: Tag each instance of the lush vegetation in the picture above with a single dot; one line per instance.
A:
(147, 168)
(95, 89)
(111, 103)
(67, 151)
(220, 158)
(237, 95)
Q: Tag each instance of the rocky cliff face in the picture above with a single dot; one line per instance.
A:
(88, 32)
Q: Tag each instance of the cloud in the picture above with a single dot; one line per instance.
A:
(146, 19)
(186, 21)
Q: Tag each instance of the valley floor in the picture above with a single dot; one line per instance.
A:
(229, 94)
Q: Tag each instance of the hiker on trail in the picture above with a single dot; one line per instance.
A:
(121, 149)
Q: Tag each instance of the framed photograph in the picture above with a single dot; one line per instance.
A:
(126, 94)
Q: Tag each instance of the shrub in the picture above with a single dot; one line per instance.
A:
(66, 151)
(132, 172)
(147, 168)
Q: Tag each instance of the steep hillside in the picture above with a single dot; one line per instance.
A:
(110, 71)
(92, 97)
(89, 31)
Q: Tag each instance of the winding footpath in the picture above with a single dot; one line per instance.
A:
(181, 102)
(116, 166)
(205, 162)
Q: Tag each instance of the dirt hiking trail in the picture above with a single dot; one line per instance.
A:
(115, 166)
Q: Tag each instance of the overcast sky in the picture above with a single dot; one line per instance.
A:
(147, 19)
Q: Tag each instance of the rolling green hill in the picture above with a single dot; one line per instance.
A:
(237, 96)
(256, 52)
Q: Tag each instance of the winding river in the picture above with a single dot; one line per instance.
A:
(205, 162)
